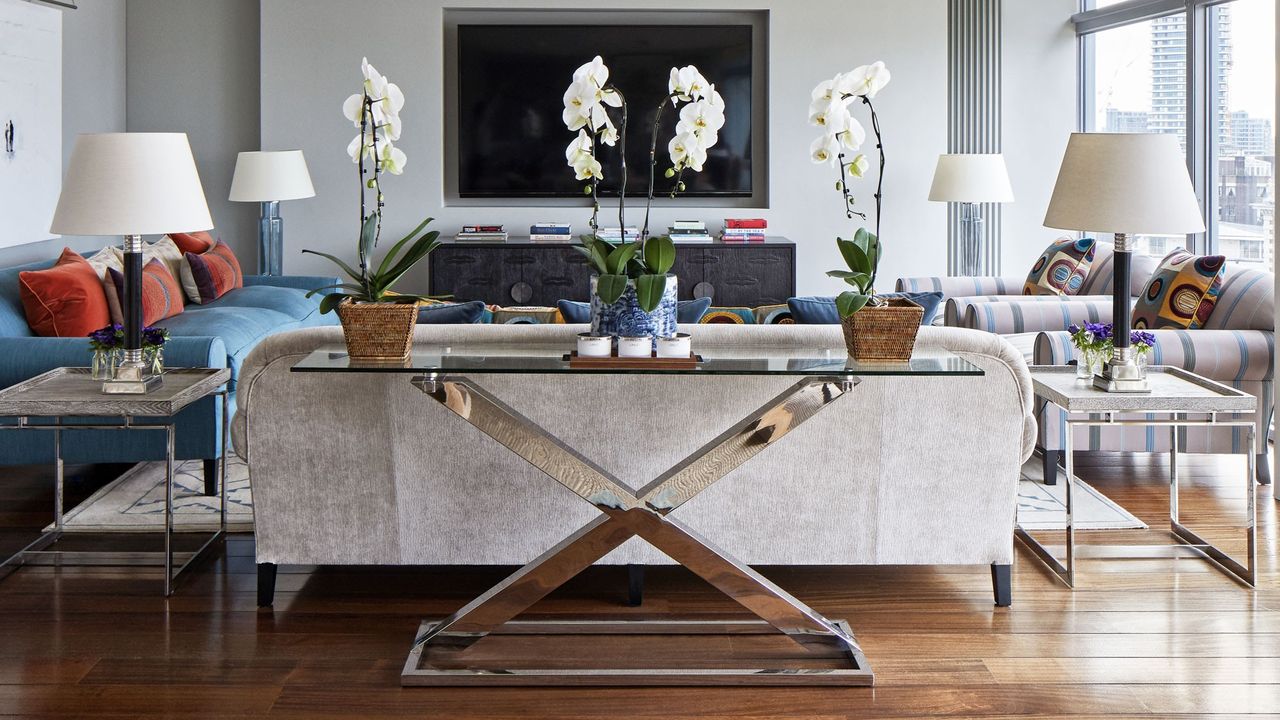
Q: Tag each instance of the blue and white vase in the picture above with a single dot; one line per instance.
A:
(625, 318)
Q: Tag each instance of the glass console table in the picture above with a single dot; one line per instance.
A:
(822, 377)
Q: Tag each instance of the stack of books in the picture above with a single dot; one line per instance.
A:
(744, 230)
(689, 231)
(482, 233)
(550, 232)
(615, 235)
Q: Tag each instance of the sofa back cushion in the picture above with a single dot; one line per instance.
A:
(67, 300)
(1247, 301)
(1101, 280)
(816, 310)
(209, 275)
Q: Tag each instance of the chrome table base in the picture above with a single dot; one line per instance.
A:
(625, 514)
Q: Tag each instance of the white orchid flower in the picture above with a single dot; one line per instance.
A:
(611, 97)
(392, 159)
(580, 146)
(697, 157)
(354, 148)
(588, 168)
(392, 127)
(833, 114)
(864, 80)
(701, 115)
(353, 108)
(392, 100)
(609, 133)
(680, 146)
(713, 97)
(594, 71)
(853, 134)
(686, 84)
(859, 165)
(825, 149)
(825, 91)
(375, 84)
(579, 100)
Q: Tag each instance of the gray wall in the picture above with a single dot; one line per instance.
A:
(193, 68)
(93, 92)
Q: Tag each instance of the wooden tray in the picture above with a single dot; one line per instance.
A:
(653, 362)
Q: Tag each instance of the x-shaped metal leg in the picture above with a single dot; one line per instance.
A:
(626, 513)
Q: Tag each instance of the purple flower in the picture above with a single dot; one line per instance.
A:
(154, 336)
(1073, 328)
(1142, 338)
(1100, 331)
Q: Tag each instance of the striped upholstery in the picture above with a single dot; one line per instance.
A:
(953, 313)
(961, 286)
(1099, 281)
(1007, 317)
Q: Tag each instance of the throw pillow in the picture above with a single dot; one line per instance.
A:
(463, 313)
(161, 293)
(195, 242)
(66, 300)
(107, 257)
(687, 311)
(1062, 268)
(210, 275)
(729, 316)
(773, 315)
(526, 316)
(166, 251)
(1181, 293)
(815, 310)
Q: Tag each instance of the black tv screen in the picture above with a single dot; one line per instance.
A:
(511, 84)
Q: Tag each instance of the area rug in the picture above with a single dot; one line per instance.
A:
(135, 501)
(1044, 507)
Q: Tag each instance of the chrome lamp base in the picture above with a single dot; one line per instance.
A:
(133, 377)
(1122, 375)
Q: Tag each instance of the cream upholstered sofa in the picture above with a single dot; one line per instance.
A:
(365, 469)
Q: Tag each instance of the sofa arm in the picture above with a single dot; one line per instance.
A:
(953, 312)
(1225, 356)
(22, 358)
(1008, 317)
(961, 286)
(297, 282)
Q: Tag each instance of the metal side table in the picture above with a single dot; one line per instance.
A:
(1177, 399)
(46, 402)
(820, 379)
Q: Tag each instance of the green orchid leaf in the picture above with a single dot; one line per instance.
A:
(369, 235)
(391, 254)
(849, 303)
(649, 290)
(617, 261)
(331, 301)
(336, 261)
(610, 288)
(660, 254)
(855, 257)
(863, 239)
(412, 257)
(343, 286)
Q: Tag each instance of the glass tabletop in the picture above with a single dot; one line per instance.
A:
(544, 359)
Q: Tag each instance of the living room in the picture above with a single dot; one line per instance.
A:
(574, 450)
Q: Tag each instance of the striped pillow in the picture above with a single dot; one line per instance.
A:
(209, 275)
(161, 294)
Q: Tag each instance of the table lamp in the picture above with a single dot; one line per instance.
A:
(268, 178)
(1124, 183)
(131, 184)
(970, 180)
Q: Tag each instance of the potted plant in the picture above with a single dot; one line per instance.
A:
(377, 323)
(632, 292)
(875, 328)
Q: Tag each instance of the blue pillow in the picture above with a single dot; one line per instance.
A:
(463, 313)
(814, 310)
(687, 311)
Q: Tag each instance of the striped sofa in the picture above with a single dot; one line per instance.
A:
(1236, 347)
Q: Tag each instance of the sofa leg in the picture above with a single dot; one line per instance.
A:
(635, 585)
(1002, 584)
(266, 584)
(210, 477)
(1051, 466)
(1263, 463)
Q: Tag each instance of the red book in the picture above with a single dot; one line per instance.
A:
(742, 237)
(745, 223)
(481, 228)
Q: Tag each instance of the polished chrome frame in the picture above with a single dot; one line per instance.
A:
(36, 554)
(626, 513)
(1191, 542)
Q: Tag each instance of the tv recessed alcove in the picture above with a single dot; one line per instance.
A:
(505, 73)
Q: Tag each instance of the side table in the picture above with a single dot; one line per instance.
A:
(46, 402)
(1177, 399)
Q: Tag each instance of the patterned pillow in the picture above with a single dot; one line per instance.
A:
(773, 315)
(161, 293)
(208, 276)
(1181, 293)
(526, 316)
(195, 242)
(729, 316)
(1062, 268)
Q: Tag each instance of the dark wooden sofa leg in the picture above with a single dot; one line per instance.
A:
(635, 585)
(267, 584)
(1051, 466)
(210, 477)
(1002, 584)
(1263, 463)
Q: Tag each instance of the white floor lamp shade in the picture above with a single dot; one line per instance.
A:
(971, 179)
(268, 178)
(131, 184)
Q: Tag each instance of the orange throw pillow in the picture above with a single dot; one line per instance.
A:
(161, 293)
(196, 242)
(210, 275)
(66, 300)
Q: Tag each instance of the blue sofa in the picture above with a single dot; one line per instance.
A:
(216, 334)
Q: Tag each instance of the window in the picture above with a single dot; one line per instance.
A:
(1203, 70)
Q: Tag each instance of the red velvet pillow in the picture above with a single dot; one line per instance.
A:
(66, 300)
(161, 293)
(196, 242)
(211, 274)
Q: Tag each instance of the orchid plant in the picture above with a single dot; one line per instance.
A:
(375, 111)
(587, 104)
(838, 145)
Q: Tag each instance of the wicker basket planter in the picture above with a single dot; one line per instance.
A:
(378, 331)
(884, 332)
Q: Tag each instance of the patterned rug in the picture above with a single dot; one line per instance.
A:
(135, 502)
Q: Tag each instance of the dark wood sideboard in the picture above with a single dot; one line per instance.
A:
(522, 272)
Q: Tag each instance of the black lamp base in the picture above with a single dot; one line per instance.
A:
(1121, 373)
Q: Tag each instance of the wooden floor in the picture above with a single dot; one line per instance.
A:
(1152, 638)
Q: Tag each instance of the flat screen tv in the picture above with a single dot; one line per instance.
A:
(512, 78)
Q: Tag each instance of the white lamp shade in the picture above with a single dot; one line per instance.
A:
(131, 184)
(971, 178)
(269, 176)
(1124, 183)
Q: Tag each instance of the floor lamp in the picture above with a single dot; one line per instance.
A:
(1124, 183)
(268, 178)
(970, 180)
(131, 184)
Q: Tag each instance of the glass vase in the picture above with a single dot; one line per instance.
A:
(100, 365)
(1088, 363)
(155, 360)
